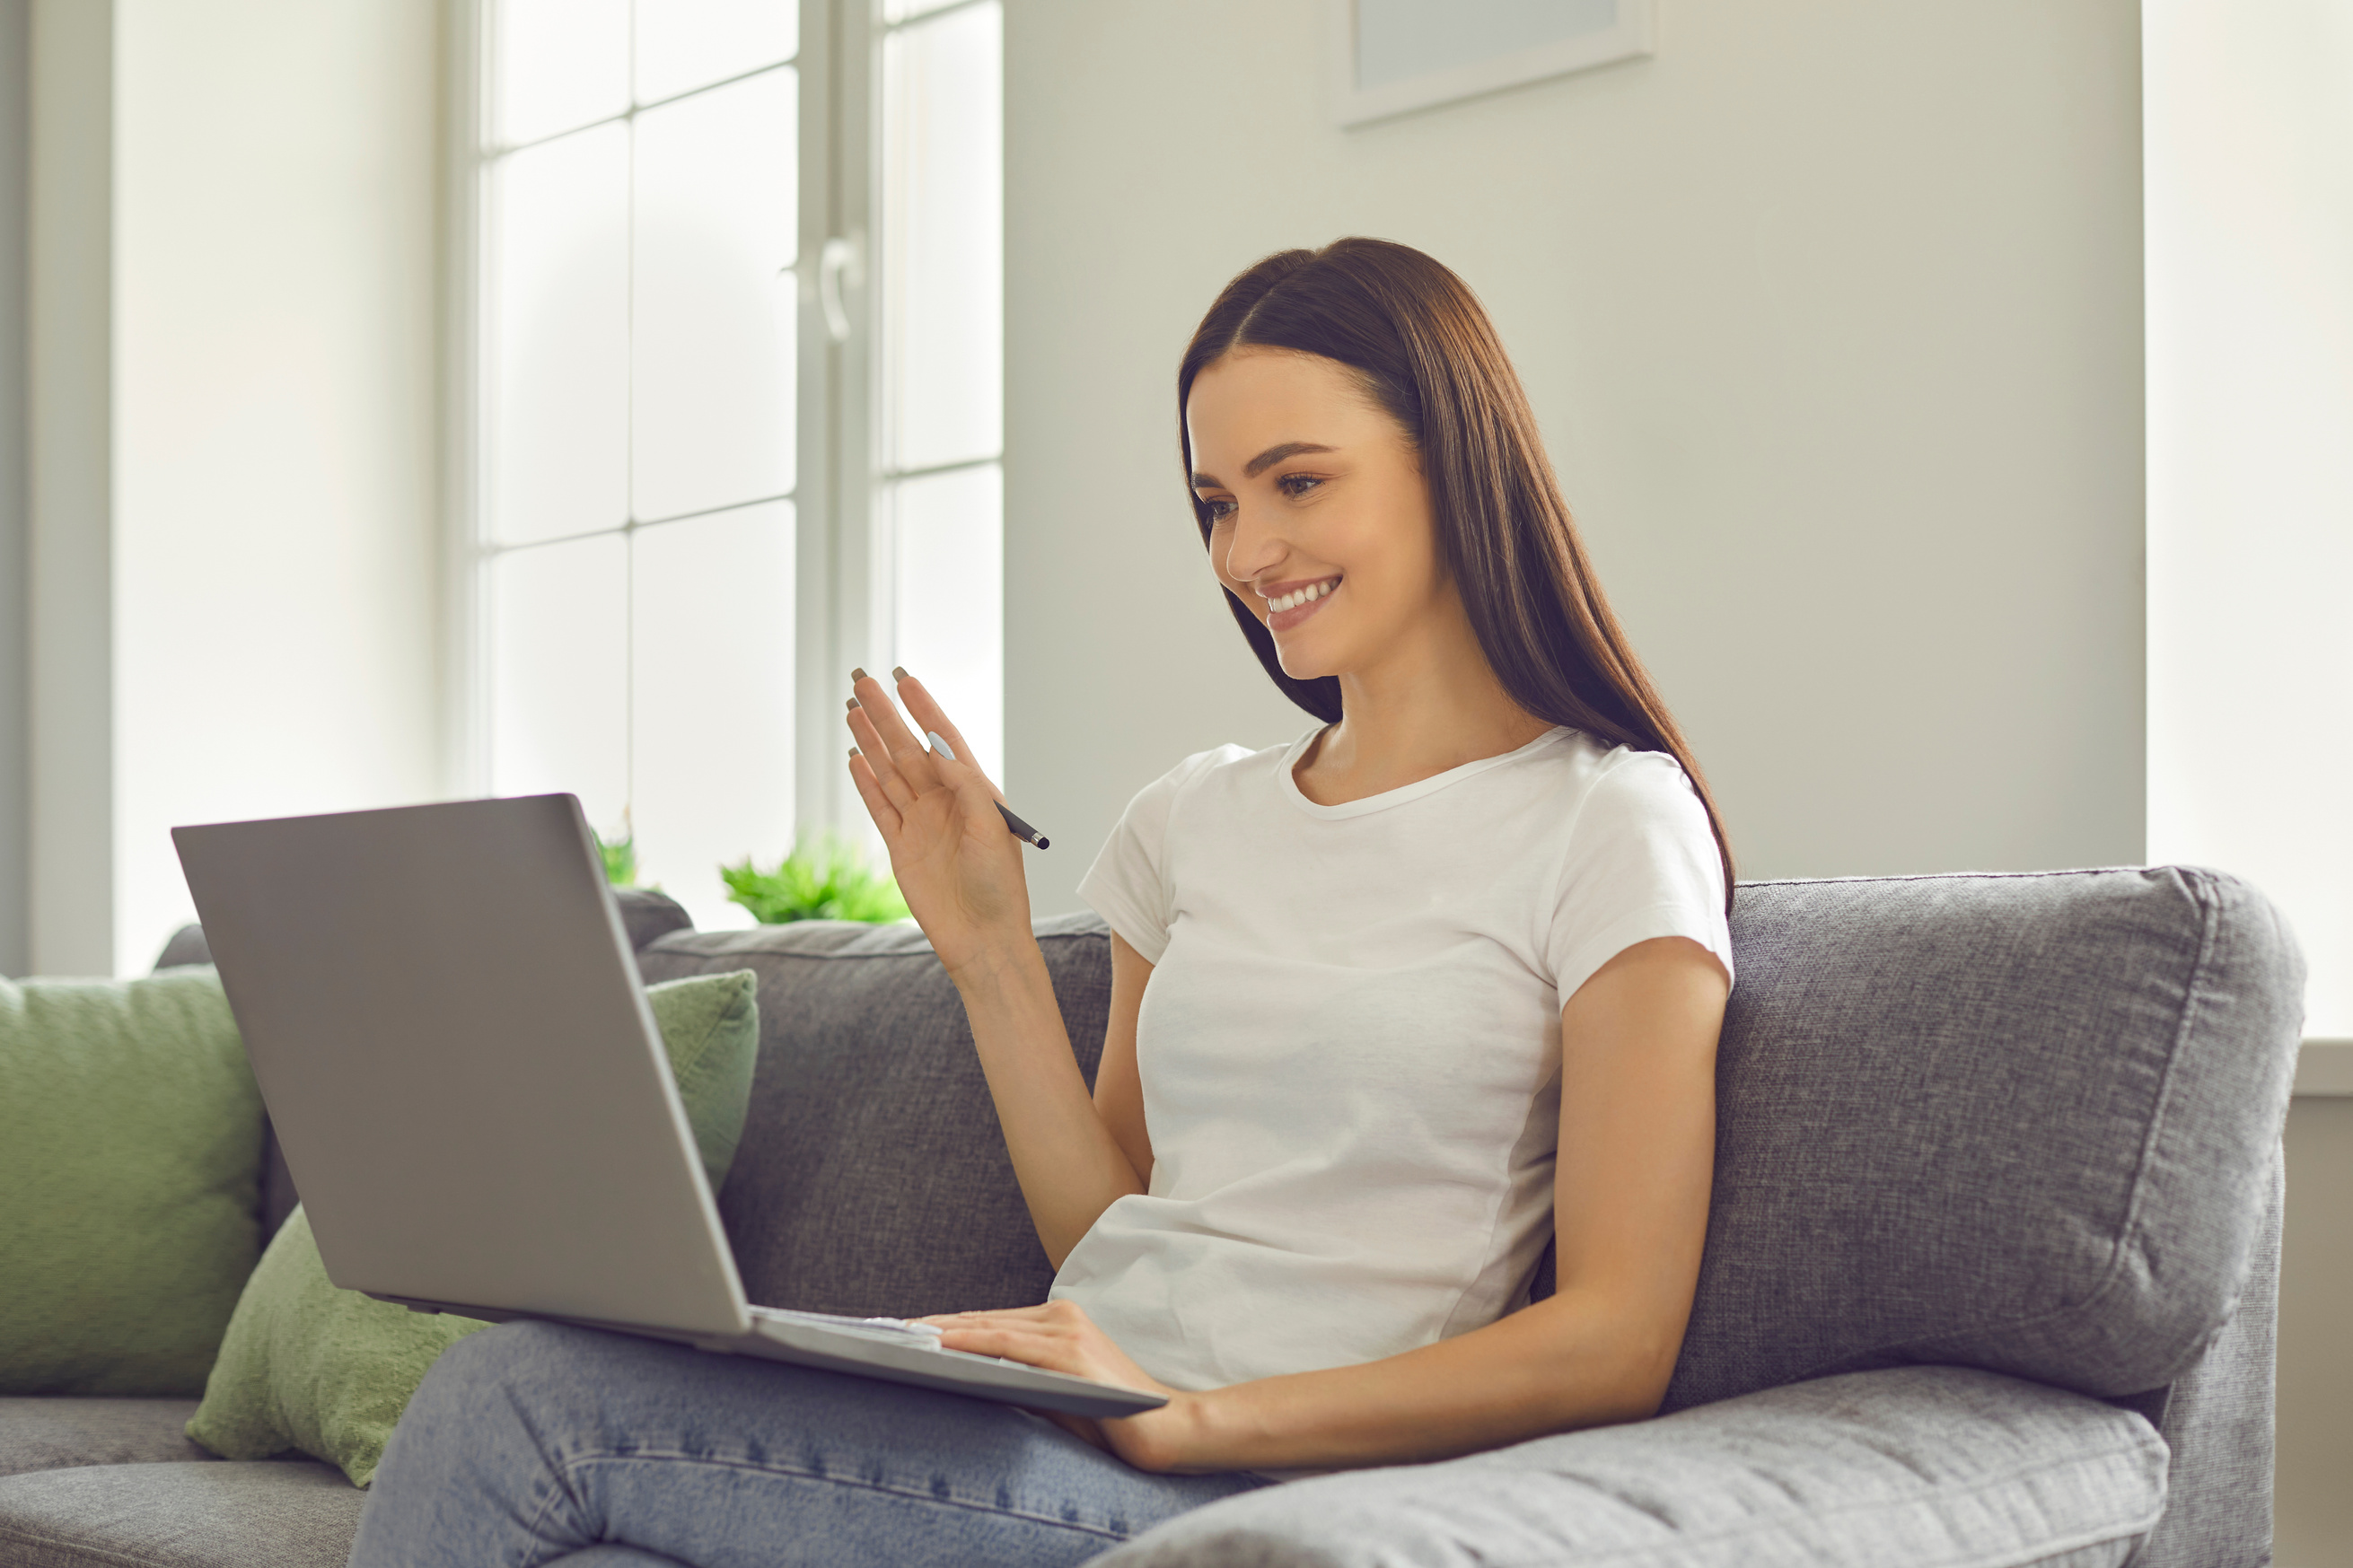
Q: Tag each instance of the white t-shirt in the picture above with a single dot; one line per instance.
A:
(1350, 1044)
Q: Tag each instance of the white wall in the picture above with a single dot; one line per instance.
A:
(275, 559)
(69, 416)
(2250, 458)
(2250, 254)
(15, 117)
(1833, 314)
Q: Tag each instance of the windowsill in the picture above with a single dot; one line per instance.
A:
(2326, 1068)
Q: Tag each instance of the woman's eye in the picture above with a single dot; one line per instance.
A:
(1219, 509)
(1296, 485)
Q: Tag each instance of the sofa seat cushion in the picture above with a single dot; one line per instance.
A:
(54, 1432)
(217, 1514)
(1927, 1467)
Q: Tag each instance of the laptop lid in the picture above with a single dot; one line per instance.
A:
(444, 1013)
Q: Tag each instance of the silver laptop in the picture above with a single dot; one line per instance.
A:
(445, 1015)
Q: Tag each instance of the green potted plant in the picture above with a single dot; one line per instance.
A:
(827, 879)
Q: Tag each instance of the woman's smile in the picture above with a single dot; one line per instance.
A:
(1296, 602)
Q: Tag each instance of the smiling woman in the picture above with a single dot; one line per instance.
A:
(1442, 417)
(1394, 1008)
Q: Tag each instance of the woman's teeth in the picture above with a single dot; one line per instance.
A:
(1297, 598)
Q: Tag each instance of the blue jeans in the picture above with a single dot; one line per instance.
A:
(535, 1443)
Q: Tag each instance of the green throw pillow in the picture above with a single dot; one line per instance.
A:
(308, 1368)
(130, 1149)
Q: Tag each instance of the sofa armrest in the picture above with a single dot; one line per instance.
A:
(1929, 1466)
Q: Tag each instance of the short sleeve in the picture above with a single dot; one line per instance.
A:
(1641, 862)
(1128, 884)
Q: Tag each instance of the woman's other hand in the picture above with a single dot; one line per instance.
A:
(957, 866)
(1061, 1337)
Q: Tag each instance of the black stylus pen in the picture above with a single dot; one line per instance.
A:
(1021, 830)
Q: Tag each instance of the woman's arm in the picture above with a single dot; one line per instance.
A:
(961, 874)
(1119, 1083)
(1631, 1195)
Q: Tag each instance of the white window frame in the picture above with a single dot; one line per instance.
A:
(844, 586)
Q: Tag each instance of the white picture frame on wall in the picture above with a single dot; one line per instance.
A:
(1373, 47)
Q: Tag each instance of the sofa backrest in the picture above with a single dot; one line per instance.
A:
(2025, 1123)
(872, 1177)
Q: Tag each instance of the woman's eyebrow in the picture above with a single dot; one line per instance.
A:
(1261, 463)
(1274, 455)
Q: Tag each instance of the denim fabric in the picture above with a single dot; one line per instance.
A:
(531, 1443)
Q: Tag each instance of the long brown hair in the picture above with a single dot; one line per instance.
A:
(1423, 347)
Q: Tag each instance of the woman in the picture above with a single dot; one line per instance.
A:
(1392, 1006)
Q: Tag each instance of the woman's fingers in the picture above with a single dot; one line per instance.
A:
(877, 756)
(1044, 1311)
(931, 716)
(869, 790)
(1053, 1353)
(907, 750)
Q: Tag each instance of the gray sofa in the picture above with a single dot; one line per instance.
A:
(1990, 1276)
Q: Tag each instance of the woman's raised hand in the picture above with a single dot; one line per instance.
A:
(959, 868)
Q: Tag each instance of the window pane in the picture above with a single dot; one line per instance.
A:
(902, 10)
(687, 44)
(559, 650)
(717, 196)
(557, 306)
(950, 608)
(557, 64)
(713, 631)
(943, 263)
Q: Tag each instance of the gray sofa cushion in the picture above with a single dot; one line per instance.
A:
(872, 1176)
(2217, 1419)
(1926, 1467)
(267, 1514)
(52, 1434)
(2017, 1121)
(2023, 1122)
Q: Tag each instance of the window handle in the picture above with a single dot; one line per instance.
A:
(837, 260)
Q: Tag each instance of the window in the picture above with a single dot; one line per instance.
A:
(724, 447)
(939, 493)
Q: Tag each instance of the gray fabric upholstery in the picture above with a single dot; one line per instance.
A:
(187, 946)
(2023, 1120)
(2216, 1417)
(267, 1514)
(52, 1434)
(1923, 1466)
(2025, 1123)
(872, 1176)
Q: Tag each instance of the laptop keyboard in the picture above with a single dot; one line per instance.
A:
(888, 1330)
(893, 1330)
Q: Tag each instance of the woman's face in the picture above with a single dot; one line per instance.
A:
(1321, 518)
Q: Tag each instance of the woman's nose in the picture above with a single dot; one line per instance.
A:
(1251, 547)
